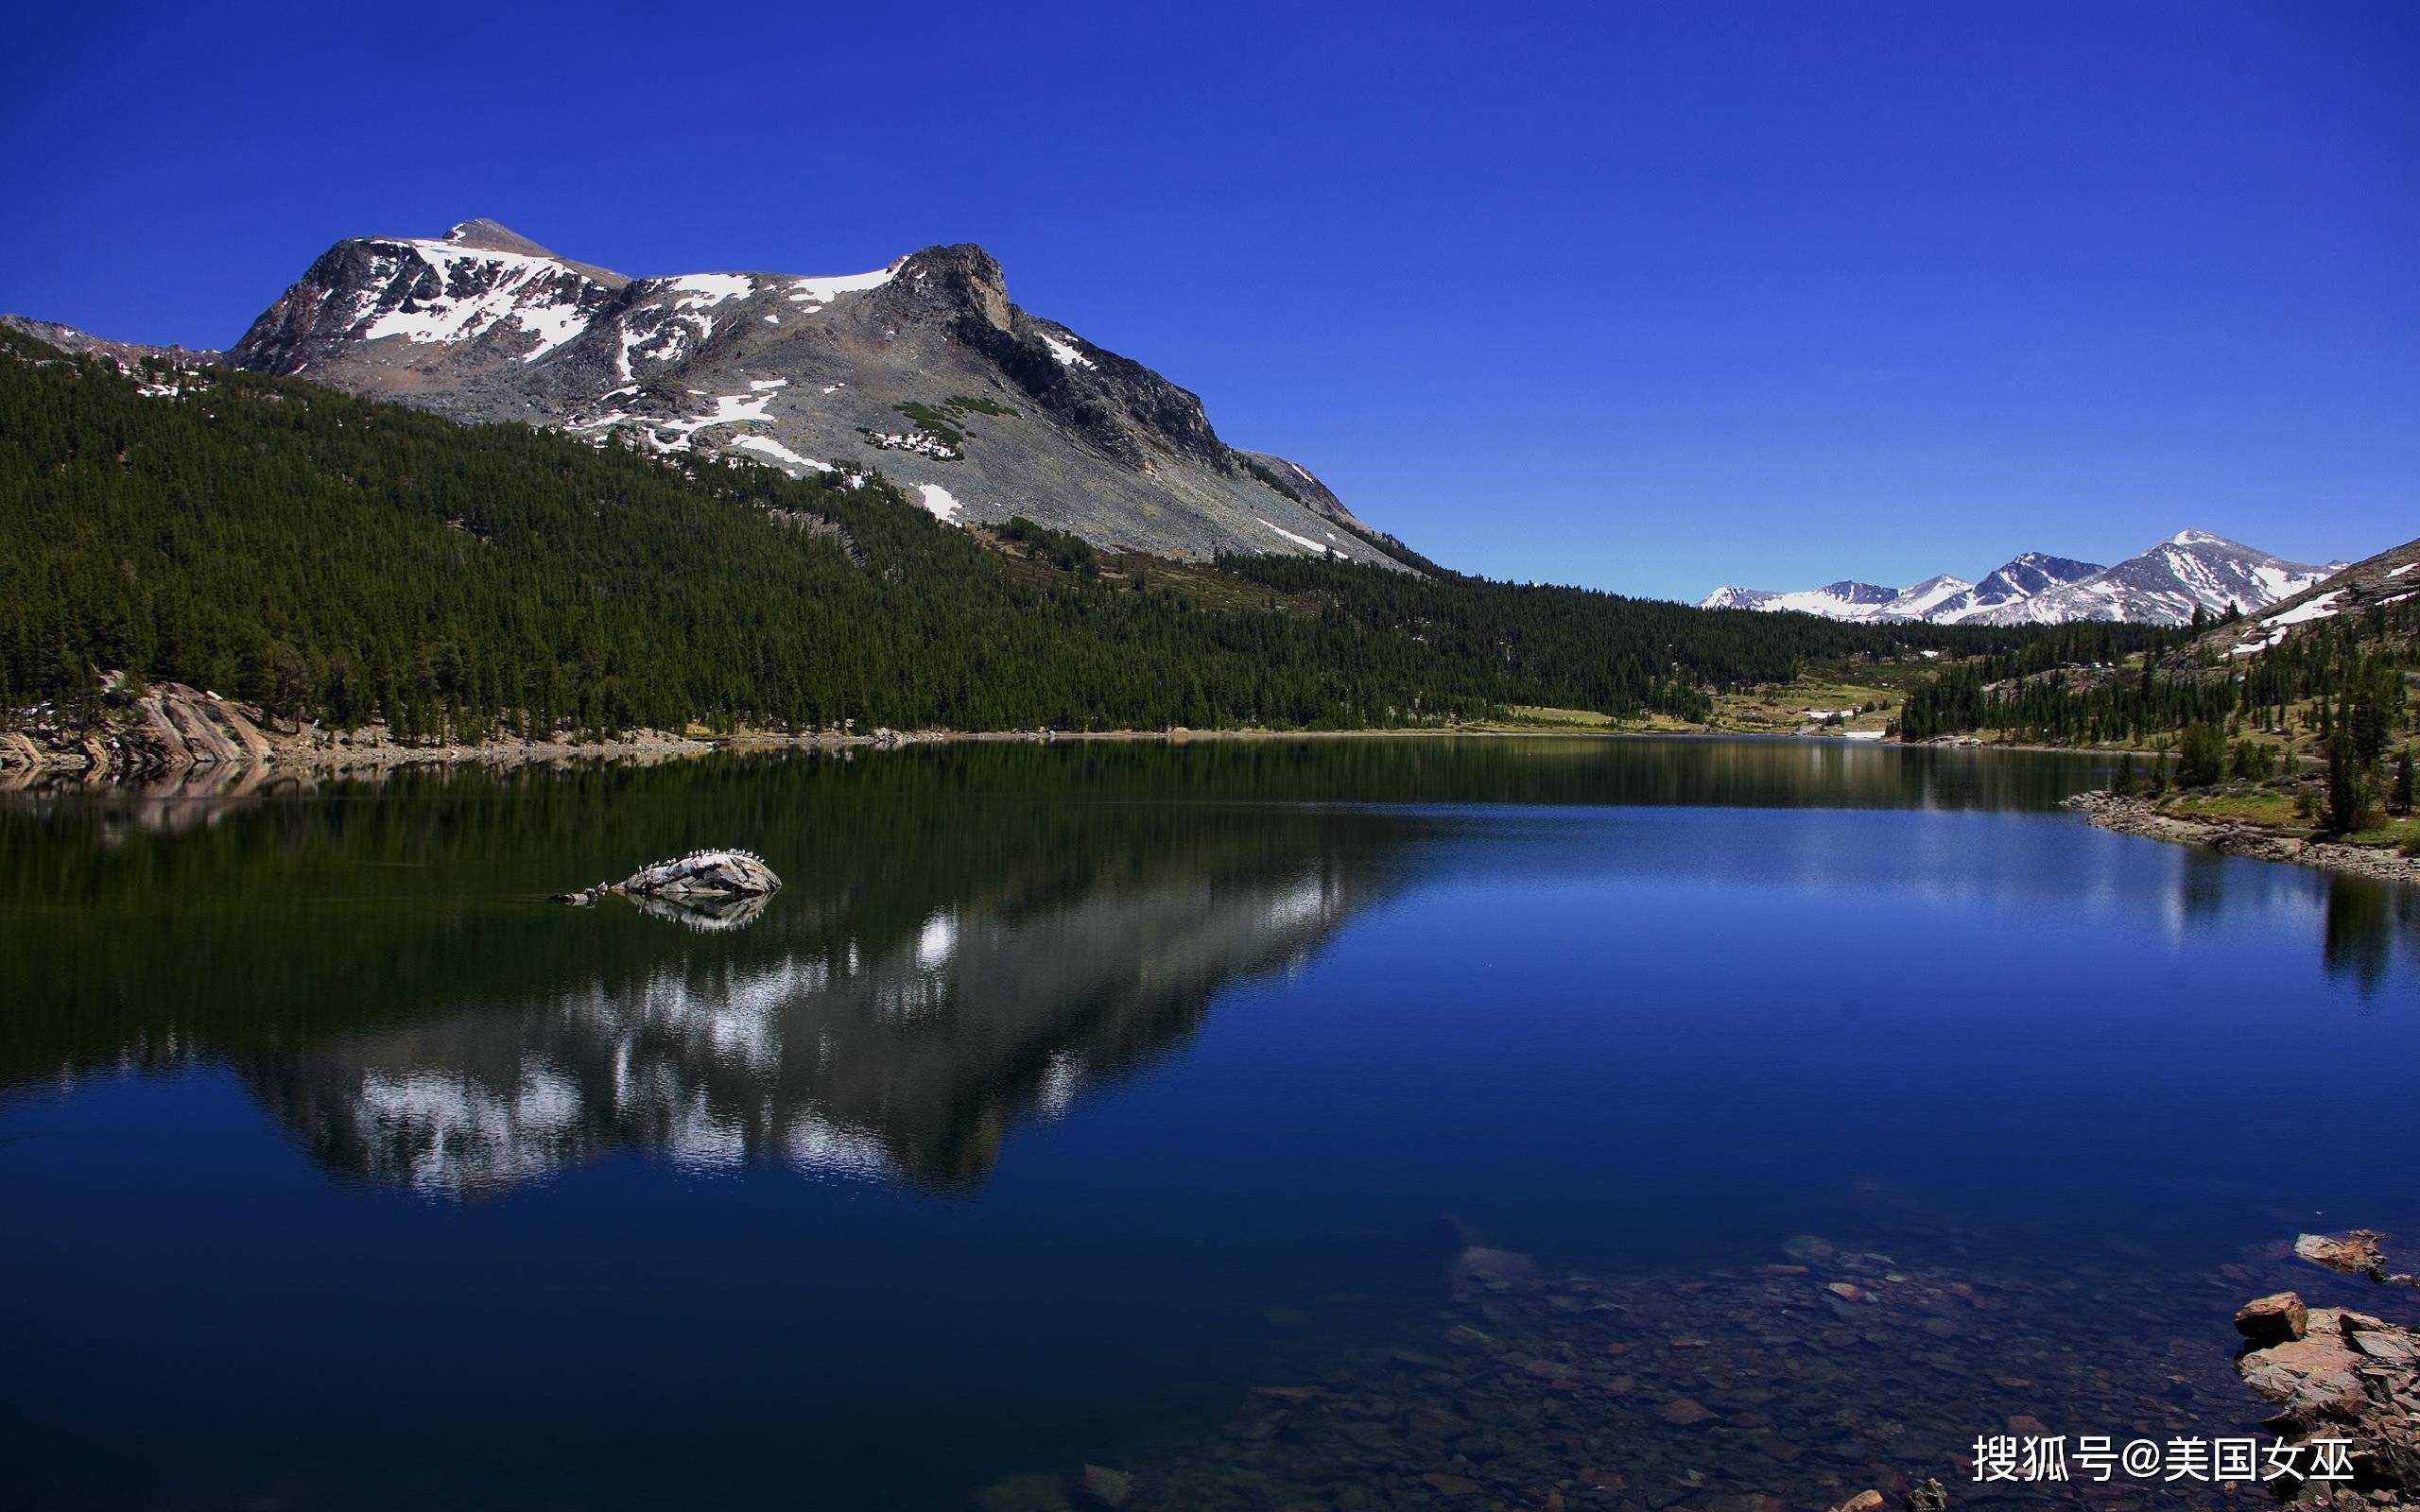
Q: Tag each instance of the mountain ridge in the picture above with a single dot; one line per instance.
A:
(2164, 584)
(923, 369)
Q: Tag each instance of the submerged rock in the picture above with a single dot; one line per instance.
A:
(1108, 1487)
(1481, 1263)
(1034, 1491)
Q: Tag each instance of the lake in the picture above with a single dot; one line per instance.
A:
(1719, 1125)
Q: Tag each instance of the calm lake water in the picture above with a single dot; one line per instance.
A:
(1066, 1095)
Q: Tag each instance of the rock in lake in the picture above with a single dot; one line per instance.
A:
(2276, 1319)
(2350, 1376)
(2354, 1253)
(704, 874)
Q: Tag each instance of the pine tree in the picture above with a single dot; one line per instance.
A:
(2201, 755)
(2348, 798)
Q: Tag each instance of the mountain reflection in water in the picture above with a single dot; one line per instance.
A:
(940, 1169)
(909, 1056)
(968, 938)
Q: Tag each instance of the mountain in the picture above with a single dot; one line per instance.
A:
(2190, 569)
(1849, 600)
(2161, 586)
(1843, 600)
(2391, 577)
(2020, 577)
(68, 338)
(922, 368)
(363, 574)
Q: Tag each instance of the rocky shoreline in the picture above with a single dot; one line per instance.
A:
(2342, 1377)
(173, 731)
(2142, 816)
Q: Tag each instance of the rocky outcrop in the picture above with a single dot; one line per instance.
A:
(164, 730)
(2142, 815)
(2333, 1375)
(704, 874)
(701, 877)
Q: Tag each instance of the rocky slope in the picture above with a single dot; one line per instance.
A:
(2392, 577)
(923, 369)
(2192, 569)
(127, 354)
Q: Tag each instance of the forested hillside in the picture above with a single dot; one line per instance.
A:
(333, 558)
(2068, 689)
(1575, 647)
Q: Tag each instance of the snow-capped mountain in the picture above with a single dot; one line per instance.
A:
(2161, 586)
(2014, 581)
(2190, 569)
(1850, 600)
(1843, 600)
(921, 367)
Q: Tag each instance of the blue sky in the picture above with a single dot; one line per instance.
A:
(1648, 297)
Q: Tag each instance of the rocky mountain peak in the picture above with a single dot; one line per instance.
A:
(923, 369)
(490, 237)
(964, 277)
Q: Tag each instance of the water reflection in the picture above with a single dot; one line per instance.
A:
(969, 939)
(912, 1058)
(2369, 924)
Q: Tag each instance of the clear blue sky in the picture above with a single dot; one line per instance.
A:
(1644, 296)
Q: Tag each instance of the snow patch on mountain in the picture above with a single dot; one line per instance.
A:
(937, 499)
(2273, 629)
(1304, 541)
(1068, 356)
(767, 446)
(435, 291)
(699, 291)
(815, 293)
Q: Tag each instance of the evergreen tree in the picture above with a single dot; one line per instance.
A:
(2348, 796)
(2201, 756)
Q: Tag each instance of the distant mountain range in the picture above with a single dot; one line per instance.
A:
(923, 369)
(2190, 569)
